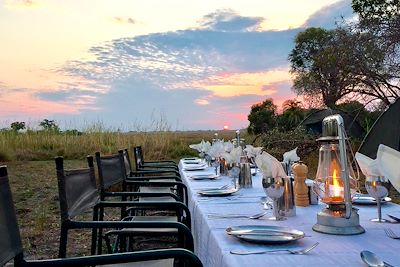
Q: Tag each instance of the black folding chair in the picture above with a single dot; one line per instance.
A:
(153, 187)
(11, 246)
(78, 193)
(155, 165)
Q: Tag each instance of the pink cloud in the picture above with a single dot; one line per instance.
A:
(25, 105)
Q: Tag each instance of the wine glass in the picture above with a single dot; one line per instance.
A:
(234, 174)
(376, 189)
(273, 188)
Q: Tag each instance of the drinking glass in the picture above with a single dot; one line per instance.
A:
(273, 188)
(234, 174)
(376, 189)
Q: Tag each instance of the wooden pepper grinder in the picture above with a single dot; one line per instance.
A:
(300, 171)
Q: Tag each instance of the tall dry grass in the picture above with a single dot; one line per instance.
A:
(158, 143)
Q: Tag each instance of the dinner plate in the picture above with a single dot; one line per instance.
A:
(195, 167)
(203, 176)
(218, 192)
(265, 233)
(192, 162)
(365, 199)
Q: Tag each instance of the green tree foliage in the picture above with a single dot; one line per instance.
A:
(49, 125)
(292, 115)
(381, 18)
(262, 117)
(333, 64)
(317, 67)
(16, 126)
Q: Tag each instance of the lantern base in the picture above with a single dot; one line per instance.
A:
(329, 223)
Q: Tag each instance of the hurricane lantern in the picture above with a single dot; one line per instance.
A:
(335, 182)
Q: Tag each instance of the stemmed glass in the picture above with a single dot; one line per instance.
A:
(376, 189)
(273, 188)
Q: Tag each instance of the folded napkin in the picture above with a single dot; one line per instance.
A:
(228, 146)
(202, 147)
(368, 166)
(252, 151)
(217, 149)
(389, 162)
(290, 156)
(269, 165)
(233, 156)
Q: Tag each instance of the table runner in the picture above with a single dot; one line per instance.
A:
(212, 244)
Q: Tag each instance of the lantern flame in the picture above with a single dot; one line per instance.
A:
(337, 190)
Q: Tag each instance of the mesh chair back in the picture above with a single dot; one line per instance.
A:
(10, 240)
(77, 189)
(137, 151)
(127, 161)
(111, 170)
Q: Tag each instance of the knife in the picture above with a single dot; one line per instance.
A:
(394, 218)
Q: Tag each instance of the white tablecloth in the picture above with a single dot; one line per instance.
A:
(212, 244)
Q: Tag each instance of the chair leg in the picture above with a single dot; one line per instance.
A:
(62, 253)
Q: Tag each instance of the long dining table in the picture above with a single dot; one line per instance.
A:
(213, 244)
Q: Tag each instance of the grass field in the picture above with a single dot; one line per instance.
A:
(32, 175)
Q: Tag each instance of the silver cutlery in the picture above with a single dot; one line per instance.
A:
(372, 260)
(216, 188)
(397, 219)
(391, 234)
(254, 217)
(291, 251)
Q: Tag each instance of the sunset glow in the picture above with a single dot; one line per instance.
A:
(87, 60)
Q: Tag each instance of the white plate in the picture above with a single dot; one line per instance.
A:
(365, 199)
(195, 167)
(203, 176)
(218, 192)
(265, 234)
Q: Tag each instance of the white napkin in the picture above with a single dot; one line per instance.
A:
(290, 156)
(252, 151)
(228, 146)
(389, 162)
(233, 156)
(368, 166)
(269, 165)
(217, 149)
(202, 146)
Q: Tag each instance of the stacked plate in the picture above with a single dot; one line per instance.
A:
(365, 199)
(265, 234)
(204, 176)
(218, 192)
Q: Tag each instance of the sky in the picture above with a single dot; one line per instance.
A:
(134, 64)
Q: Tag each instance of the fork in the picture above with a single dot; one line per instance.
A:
(391, 234)
(291, 251)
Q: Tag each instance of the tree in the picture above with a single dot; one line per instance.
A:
(381, 19)
(17, 126)
(317, 67)
(292, 115)
(49, 125)
(262, 117)
(333, 64)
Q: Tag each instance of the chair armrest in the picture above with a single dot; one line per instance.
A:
(126, 257)
(141, 178)
(179, 184)
(152, 171)
(160, 161)
(166, 205)
(141, 194)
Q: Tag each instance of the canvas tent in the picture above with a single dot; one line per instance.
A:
(313, 122)
(386, 130)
